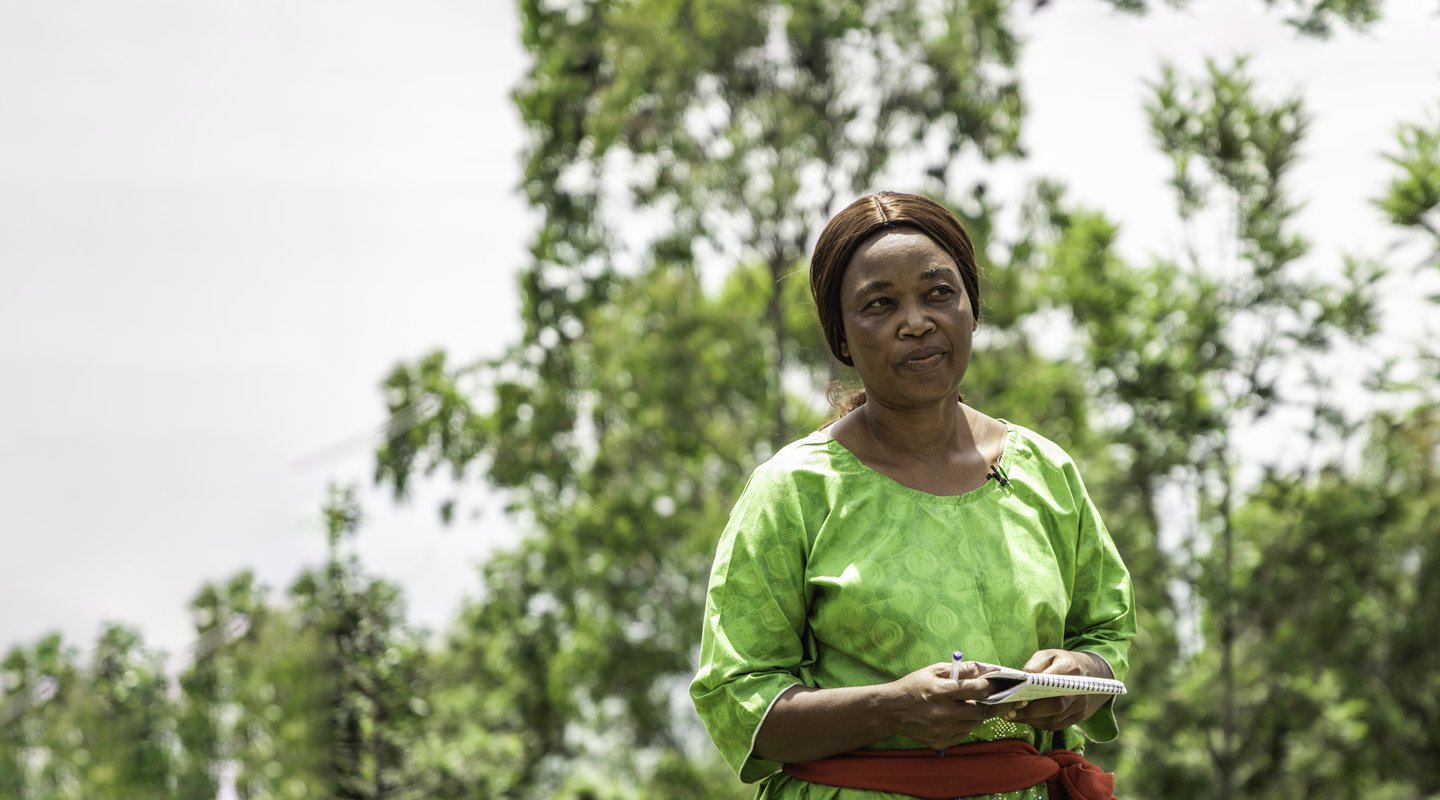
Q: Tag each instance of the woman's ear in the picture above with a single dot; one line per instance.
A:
(844, 349)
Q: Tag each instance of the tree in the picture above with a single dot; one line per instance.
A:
(1273, 632)
(229, 693)
(625, 420)
(592, 624)
(101, 730)
(375, 667)
(323, 698)
(39, 683)
(743, 122)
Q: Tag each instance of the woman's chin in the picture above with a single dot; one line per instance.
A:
(917, 397)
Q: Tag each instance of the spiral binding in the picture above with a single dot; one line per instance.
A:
(1091, 685)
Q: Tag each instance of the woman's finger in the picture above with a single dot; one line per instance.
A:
(1045, 709)
(1042, 660)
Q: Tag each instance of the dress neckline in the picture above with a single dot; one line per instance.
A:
(858, 467)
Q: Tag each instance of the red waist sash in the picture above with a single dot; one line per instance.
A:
(968, 769)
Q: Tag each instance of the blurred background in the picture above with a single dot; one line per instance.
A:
(377, 379)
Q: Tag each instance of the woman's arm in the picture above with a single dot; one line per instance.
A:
(1098, 627)
(928, 706)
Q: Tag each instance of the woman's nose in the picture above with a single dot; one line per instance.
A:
(915, 322)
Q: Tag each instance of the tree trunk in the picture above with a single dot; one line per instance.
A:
(1226, 762)
(777, 328)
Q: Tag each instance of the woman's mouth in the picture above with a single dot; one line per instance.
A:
(925, 359)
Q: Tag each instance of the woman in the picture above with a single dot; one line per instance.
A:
(861, 556)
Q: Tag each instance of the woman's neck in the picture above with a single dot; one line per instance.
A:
(930, 434)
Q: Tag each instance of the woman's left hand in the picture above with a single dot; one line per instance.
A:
(1061, 712)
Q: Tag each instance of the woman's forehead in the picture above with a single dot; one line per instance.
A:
(898, 253)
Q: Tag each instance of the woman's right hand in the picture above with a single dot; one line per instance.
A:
(938, 711)
(927, 705)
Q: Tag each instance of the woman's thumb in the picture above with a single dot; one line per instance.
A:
(966, 670)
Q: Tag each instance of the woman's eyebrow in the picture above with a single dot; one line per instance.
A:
(881, 285)
(873, 286)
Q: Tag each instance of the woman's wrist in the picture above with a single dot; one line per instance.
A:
(1098, 666)
(892, 706)
(806, 723)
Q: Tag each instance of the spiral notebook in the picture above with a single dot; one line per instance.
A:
(1013, 686)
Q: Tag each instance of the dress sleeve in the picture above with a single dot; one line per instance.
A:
(1101, 619)
(752, 648)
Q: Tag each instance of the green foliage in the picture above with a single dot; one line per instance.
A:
(108, 730)
(1311, 18)
(593, 623)
(1336, 667)
(41, 743)
(377, 702)
(1286, 604)
(1412, 198)
(1285, 668)
(1246, 146)
(324, 698)
(625, 419)
(125, 719)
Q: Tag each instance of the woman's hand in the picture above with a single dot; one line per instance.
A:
(927, 705)
(938, 711)
(1061, 712)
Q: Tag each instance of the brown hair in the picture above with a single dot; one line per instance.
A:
(861, 220)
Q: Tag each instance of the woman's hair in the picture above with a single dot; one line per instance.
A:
(861, 220)
(858, 222)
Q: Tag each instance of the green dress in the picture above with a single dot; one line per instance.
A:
(830, 574)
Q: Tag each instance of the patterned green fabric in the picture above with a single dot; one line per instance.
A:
(830, 574)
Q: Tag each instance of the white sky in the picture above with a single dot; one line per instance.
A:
(222, 222)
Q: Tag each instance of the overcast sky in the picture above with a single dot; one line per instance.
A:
(222, 222)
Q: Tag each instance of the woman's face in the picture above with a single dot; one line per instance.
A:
(907, 318)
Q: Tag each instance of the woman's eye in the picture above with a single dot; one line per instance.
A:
(876, 303)
(942, 291)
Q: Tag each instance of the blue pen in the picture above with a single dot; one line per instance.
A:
(956, 657)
